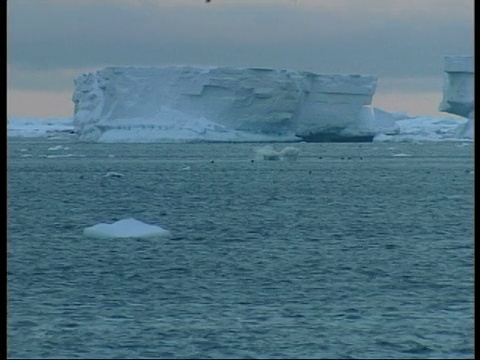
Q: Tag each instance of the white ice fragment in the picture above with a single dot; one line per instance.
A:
(267, 153)
(127, 228)
(289, 153)
(61, 156)
(113, 174)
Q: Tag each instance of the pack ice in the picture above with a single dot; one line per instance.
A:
(181, 104)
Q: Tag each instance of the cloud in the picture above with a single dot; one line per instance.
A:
(380, 37)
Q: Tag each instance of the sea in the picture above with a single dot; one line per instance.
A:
(354, 250)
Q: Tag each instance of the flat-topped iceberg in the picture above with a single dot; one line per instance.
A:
(172, 104)
(458, 86)
(458, 92)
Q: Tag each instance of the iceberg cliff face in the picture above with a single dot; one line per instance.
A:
(458, 86)
(458, 92)
(220, 103)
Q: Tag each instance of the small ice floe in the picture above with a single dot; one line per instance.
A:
(289, 153)
(56, 148)
(113, 174)
(185, 168)
(60, 156)
(127, 228)
(269, 153)
(401, 155)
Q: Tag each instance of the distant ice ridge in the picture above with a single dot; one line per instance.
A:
(219, 104)
(427, 129)
(37, 127)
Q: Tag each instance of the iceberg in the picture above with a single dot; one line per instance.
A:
(424, 128)
(225, 104)
(458, 99)
(458, 86)
(184, 104)
(458, 92)
(127, 228)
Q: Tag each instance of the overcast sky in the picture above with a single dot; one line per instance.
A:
(402, 42)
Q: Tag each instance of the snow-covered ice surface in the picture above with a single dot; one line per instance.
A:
(127, 228)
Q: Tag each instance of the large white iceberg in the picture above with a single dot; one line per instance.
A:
(146, 104)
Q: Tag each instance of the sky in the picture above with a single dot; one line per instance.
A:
(402, 42)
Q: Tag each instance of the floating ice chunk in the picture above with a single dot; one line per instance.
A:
(113, 174)
(127, 228)
(61, 156)
(267, 153)
(289, 153)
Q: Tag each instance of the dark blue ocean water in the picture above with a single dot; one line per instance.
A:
(369, 256)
